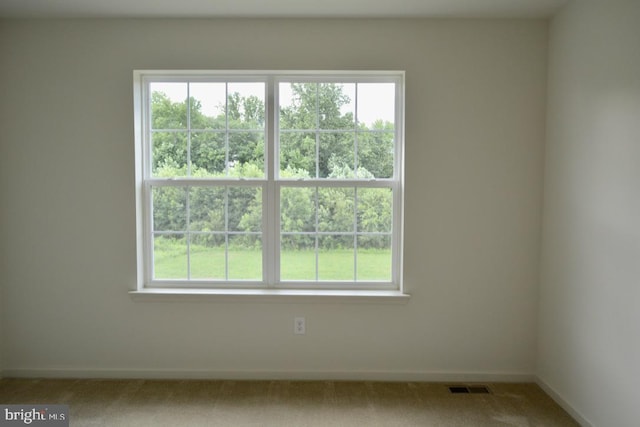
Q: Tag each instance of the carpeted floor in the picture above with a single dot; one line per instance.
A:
(142, 403)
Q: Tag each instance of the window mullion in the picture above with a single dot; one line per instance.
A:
(226, 129)
(188, 130)
(271, 191)
(187, 234)
(317, 237)
(356, 173)
(355, 136)
(226, 234)
(317, 243)
(317, 130)
(355, 234)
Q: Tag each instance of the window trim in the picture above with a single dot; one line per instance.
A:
(271, 183)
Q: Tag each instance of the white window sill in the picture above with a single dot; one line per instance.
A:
(269, 295)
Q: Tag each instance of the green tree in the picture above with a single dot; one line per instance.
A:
(221, 209)
(375, 149)
(316, 106)
(208, 134)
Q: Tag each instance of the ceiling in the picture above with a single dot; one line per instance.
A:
(278, 8)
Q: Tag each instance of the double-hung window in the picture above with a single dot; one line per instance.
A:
(269, 179)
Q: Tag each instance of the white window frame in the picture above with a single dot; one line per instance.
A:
(270, 185)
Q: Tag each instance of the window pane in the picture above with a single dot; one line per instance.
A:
(206, 209)
(246, 105)
(170, 256)
(207, 256)
(374, 210)
(168, 105)
(297, 155)
(336, 105)
(207, 105)
(335, 257)
(336, 209)
(245, 257)
(244, 209)
(169, 154)
(246, 154)
(208, 154)
(298, 107)
(375, 154)
(297, 209)
(376, 102)
(298, 257)
(336, 155)
(210, 227)
(374, 258)
(169, 208)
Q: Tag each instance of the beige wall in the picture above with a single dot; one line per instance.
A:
(589, 344)
(474, 144)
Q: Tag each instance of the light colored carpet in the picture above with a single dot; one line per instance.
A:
(143, 403)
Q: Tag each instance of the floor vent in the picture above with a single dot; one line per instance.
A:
(473, 389)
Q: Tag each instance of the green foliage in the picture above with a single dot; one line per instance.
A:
(231, 144)
(208, 135)
(316, 105)
(375, 150)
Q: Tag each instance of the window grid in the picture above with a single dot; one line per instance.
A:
(187, 232)
(271, 187)
(316, 233)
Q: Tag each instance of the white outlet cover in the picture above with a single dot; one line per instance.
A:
(299, 326)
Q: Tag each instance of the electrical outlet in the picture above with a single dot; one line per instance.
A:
(299, 326)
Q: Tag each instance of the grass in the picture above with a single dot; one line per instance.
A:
(246, 264)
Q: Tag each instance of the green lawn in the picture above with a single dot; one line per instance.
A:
(209, 263)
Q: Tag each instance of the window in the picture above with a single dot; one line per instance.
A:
(269, 179)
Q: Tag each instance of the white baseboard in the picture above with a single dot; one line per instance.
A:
(563, 403)
(417, 376)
